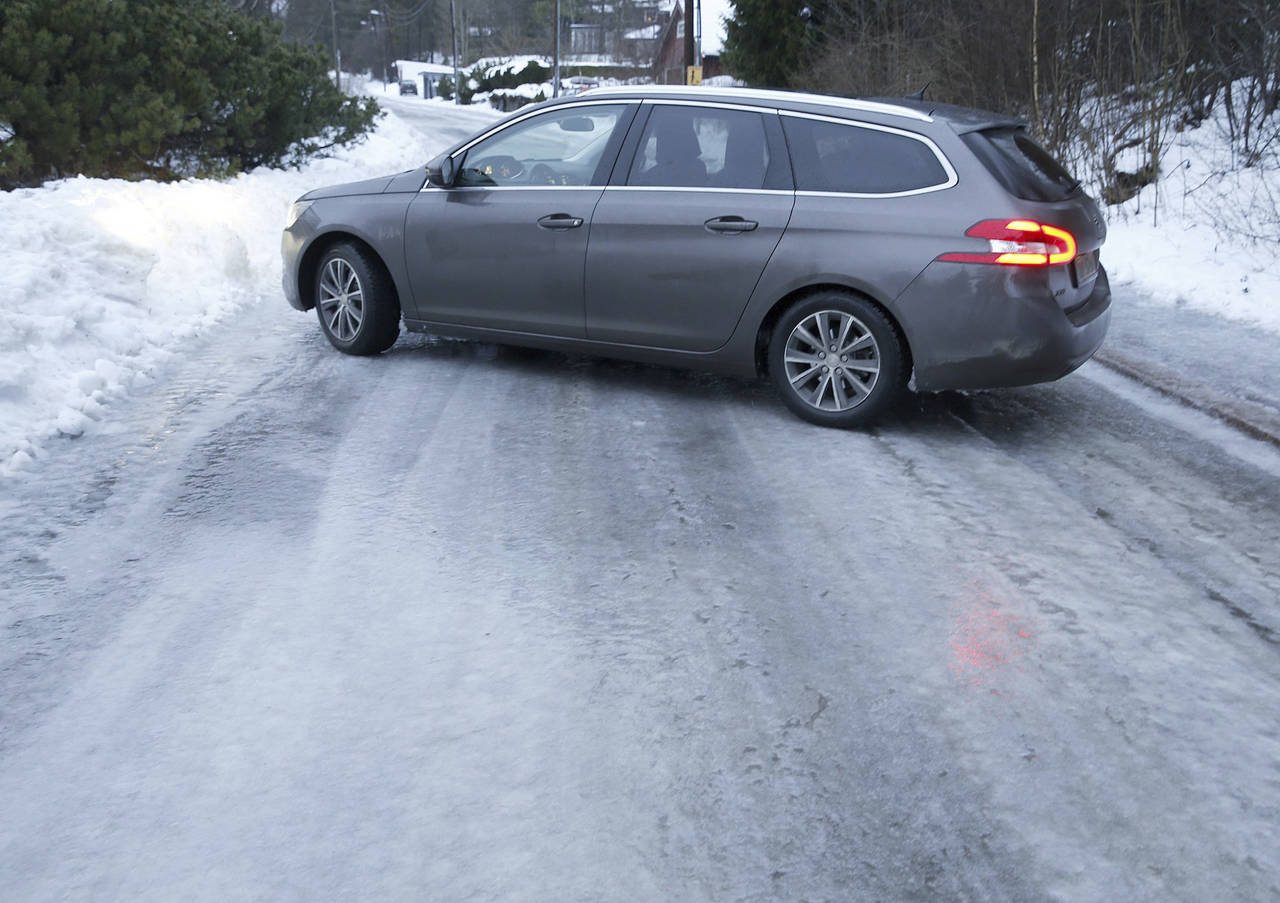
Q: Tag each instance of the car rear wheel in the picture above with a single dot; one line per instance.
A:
(837, 360)
(355, 301)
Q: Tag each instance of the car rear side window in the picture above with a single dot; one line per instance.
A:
(1024, 168)
(860, 159)
(701, 147)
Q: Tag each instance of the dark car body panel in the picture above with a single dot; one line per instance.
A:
(657, 276)
(491, 265)
(1013, 333)
(413, 180)
(642, 278)
(350, 189)
(375, 219)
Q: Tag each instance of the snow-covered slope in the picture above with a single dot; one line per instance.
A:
(1207, 234)
(103, 279)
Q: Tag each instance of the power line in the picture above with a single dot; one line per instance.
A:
(398, 18)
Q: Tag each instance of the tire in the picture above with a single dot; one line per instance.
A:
(356, 301)
(826, 387)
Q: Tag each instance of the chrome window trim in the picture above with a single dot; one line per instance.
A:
(710, 104)
(771, 98)
(887, 194)
(611, 188)
(535, 112)
(952, 178)
(688, 188)
(516, 188)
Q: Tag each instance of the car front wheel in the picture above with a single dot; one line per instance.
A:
(355, 301)
(837, 360)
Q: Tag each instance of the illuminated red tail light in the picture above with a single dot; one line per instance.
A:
(1018, 242)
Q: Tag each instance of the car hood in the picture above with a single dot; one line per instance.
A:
(411, 180)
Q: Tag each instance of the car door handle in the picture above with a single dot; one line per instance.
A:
(559, 221)
(730, 225)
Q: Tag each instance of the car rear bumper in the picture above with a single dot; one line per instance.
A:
(974, 326)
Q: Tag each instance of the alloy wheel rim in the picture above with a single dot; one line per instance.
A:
(341, 299)
(832, 361)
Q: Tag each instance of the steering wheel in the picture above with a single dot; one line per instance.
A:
(501, 168)
(542, 174)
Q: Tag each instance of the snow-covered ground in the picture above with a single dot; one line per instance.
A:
(104, 279)
(1206, 235)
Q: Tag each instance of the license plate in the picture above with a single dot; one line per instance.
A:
(1086, 267)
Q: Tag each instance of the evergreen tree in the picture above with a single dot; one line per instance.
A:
(159, 88)
(764, 42)
(82, 87)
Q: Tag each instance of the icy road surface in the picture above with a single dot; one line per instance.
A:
(472, 623)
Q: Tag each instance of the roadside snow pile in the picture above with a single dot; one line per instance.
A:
(514, 97)
(104, 278)
(1207, 234)
(508, 67)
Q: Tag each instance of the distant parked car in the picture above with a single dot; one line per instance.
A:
(845, 248)
(408, 86)
(577, 84)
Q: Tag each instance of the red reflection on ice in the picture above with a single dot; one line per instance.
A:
(985, 640)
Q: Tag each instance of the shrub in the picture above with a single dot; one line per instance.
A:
(160, 89)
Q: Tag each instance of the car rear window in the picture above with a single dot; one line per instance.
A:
(1023, 167)
(855, 159)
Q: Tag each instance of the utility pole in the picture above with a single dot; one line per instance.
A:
(453, 26)
(690, 48)
(388, 64)
(697, 11)
(380, 39)
(555, 79)
(337, 57)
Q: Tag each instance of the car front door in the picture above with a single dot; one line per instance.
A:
(504, 247)
(683, 232)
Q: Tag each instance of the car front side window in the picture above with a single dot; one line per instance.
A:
(561, 147)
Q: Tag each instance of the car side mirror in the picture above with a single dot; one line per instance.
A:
(443, 176)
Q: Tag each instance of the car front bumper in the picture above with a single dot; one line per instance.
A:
(291, 246)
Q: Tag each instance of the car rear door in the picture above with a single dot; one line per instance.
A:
(697, 203)
(506, 246)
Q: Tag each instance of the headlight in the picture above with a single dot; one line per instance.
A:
(298, 208)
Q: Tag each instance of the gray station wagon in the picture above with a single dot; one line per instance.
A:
(845, 248)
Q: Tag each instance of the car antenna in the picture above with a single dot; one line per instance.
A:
(919, 95)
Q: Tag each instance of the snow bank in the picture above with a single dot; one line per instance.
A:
(512, 65)
(1207, 234)
(103, 279)
(528, 93)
